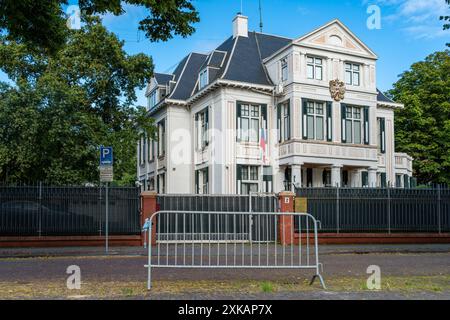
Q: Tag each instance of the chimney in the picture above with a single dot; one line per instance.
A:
(240, 26)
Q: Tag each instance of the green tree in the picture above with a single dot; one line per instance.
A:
(42, 24)
(63, 106)
(422, 128)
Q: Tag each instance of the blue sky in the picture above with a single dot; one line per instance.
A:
(410, 29)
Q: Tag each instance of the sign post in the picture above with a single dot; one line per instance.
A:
(106, 175)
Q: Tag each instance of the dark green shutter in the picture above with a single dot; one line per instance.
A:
(238, 121)
(207, 179)
(279, 121)
(303, 119)
(329, 121)
(343, 123)
(365, 178)
(383, 135)
(207, 125)
(366, 126)
(289, 120)
(383, 179)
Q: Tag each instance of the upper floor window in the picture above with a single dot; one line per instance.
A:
(161, 138)
(284, 122)
(381, 135)
(352, 74)
(284, 69)
(153, 99)
(203, 78)
(315, 120)
(353, 124)
(202, 124)
(315, 68)
(249, 119)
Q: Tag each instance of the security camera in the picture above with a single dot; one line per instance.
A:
(137, 183)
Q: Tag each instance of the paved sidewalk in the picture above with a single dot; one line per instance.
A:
(140, 251)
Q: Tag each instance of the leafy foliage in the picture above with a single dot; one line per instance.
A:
(41, 24)
(65, 105)
(422, 128)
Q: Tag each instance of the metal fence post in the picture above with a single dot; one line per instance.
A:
(337, 209)
(40, 210)
(389, 209)
(439, 207)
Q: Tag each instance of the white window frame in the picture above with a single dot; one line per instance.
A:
(162, 138)
(314, 66)
(354, 120)
(202, 130)
(250, 179)
(203, 181)
(161, 183)
(313, 112)
(248, 111)
(203, 78)
(153, 99)
(351, 71)
(284, 122)
(284, 69)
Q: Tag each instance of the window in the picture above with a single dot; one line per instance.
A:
(248, 179)
(202, 181)
(381, 135)
(150, 150)
(249, 123)
(161, 138)
(161, 183)
(284, 69)
(315, 121)
(141, 150)
(203, 78)
(202, 123)
(151, 184)
(284, 124)
(153, 99)
(326, 178)
(314, 68)
(353, 124)
(352, 74)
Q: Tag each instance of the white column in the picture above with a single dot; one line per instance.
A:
(372, 177)
(336, 176)
(296, 175)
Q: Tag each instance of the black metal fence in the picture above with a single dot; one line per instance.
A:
(47, 210)
(379, 209)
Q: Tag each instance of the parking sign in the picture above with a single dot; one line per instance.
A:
(106, 156)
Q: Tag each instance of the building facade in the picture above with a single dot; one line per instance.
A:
(266, 113)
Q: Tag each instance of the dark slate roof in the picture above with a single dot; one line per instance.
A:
(382, 98)
(163, 78)
(269, 44)
(187, 78)
(244, 63)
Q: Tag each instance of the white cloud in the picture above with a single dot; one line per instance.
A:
(418, 18)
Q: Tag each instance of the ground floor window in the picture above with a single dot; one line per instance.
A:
(202, 181)
(326, 177)
(247, 179)
(398, 180)
(161, 183)
(151, 184)
(267, 179)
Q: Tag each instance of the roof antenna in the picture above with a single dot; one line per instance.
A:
(260, 17)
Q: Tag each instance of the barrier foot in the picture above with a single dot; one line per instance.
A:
(320, 279)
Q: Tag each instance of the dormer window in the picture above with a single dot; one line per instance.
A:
(284, 69)
(153, 99)
(203, 78)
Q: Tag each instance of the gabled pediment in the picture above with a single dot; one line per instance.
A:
(336, 36)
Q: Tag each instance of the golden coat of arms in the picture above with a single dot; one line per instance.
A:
(337, 89)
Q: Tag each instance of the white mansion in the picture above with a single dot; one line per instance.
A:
(266, 113)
